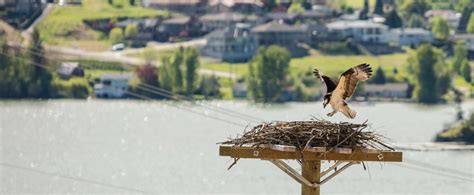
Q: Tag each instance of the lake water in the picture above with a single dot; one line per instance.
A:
(125, 146)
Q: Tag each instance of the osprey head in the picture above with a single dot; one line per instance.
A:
(326, 99)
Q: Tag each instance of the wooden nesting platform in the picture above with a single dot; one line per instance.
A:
(311, 177)
(289, 153)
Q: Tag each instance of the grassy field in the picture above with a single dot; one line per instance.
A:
(332, 65)
(64, 26)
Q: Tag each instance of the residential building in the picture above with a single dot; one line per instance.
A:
(284, 17)
(146, 29)
(234, 44)
(69, 69)
(242, 6)
(411, 36)
(212, 22)
(388, 90)
(281, 34)
(183, 26)
(450, 16)
(183, 6)
(359, 31)
(468, 40)
(112, 86)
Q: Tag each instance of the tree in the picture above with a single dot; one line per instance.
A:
(440, 29)
(164, 74)
(416, 21)
(460, 54)
(431, 78)
(269, 5)
(363, 15)
(379, 77)
(147, 74)
(176, 71)
(131, 30)
(470, 25)
(378, 7)
(296, 8)
(132, 2)
(191, 61)
(466, 70)
(40, 79)
(392, 19)
(116, 35)
(268, 72)
(110, 2)
(411, 7)
(209, 86)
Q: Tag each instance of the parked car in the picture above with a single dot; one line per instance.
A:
(118, 47)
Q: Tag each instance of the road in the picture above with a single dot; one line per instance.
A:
(46, 11)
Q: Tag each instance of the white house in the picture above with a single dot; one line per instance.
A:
(359, 30)
(112, 86)
(411, 36)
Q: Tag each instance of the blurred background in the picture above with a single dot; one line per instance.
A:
(131, 96)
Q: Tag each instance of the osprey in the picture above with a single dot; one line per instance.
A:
(338, 92)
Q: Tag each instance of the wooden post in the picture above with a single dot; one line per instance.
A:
(311, 170)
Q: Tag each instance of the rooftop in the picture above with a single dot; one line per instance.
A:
(276, 27)
(177, 20)
(412, 31)
(343, 24)
(226, 16)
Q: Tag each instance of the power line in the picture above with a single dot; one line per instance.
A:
(148, 98)
(171, 95)
(415, 165)
(79, 179)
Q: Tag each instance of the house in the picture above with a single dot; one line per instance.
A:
(242, 6)
(281, 34)
(359, 31)
(212, 22)
(179, 27)
(315, 33)
(239, 90)
(284, 17)
(468, 40)
(146, 29)
(189, 7)
(450, 16)
(234, 44)
(112, 86)
(69, 69)
(411, 36)
(387, 90)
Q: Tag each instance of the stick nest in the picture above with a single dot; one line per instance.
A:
(315, 133)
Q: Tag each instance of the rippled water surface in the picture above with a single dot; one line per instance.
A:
(69, 146)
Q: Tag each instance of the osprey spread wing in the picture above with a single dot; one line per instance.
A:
(338, 92)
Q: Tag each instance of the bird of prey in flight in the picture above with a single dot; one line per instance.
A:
(338, 92)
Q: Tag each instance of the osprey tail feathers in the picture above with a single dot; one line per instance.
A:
(348, 112)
